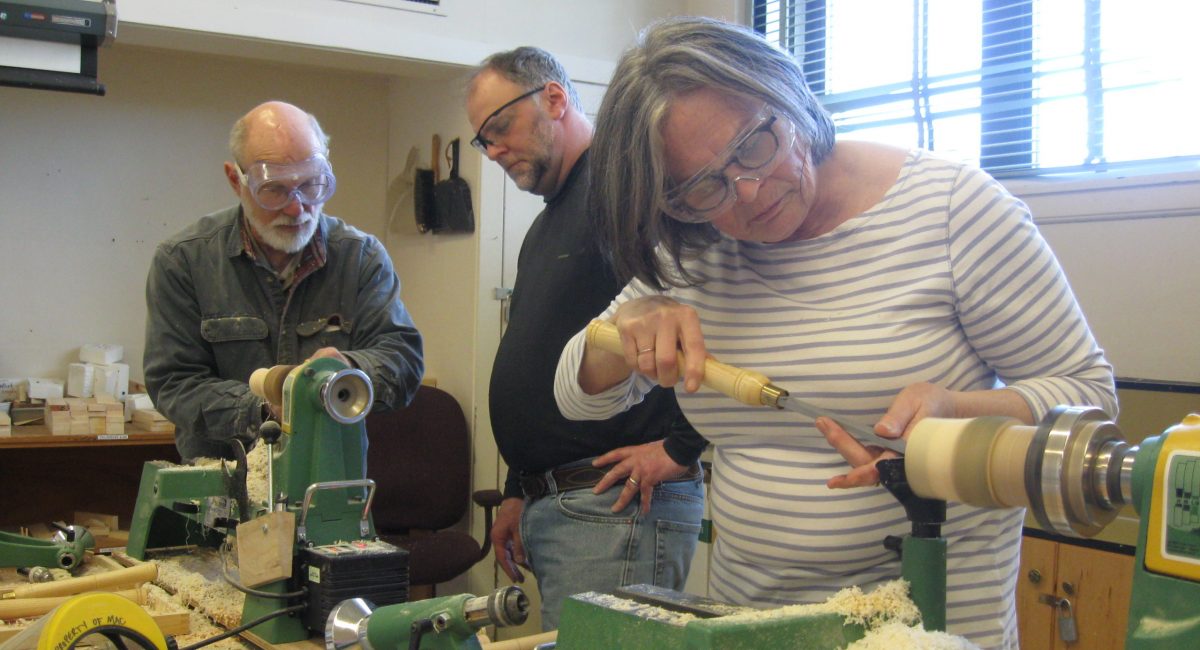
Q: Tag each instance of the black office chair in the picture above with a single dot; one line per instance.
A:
(420, 459)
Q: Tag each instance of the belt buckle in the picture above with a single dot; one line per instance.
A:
(534, 486)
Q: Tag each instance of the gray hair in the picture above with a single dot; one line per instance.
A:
(529, 67)
(629, 179)
(237, 136)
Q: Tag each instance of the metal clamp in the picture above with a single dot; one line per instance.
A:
(1071, 446)
(364, 524)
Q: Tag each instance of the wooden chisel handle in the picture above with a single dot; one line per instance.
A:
(746, 386)
(26, 607)
(99, 582)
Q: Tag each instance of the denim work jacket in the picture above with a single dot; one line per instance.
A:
(214, 315)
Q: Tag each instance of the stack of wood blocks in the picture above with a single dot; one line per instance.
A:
(151, 420)
(85, 416)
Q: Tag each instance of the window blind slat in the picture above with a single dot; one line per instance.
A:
(1046, 84)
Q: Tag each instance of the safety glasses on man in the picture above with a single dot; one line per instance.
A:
(273, 185)
(481, 141)
(756, 151)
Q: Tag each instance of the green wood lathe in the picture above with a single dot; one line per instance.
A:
(1074, 472)
(318, 510)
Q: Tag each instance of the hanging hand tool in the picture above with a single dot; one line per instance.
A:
(746, 386)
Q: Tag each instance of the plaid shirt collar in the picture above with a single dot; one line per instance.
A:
(312, 257)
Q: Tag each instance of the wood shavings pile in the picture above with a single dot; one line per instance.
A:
(257, 462)
(888, 602)
(656, 613)
(160, 601)
(196, 580)
(892, 620)
(895, 635)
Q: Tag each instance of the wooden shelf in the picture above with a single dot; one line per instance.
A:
(31, 436)
(45, 477)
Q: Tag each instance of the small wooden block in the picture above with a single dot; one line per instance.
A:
(91, 520)
(151, 420)
(265, 548)
(147, 416)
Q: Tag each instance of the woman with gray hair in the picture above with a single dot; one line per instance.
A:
(886, 285)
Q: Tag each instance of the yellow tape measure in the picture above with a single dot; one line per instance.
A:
(103, 614)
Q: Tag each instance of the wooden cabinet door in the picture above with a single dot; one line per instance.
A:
(1035, 619)
(1101, 582)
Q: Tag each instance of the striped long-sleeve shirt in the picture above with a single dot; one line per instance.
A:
(946, 280)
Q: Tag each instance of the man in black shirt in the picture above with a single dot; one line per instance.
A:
(578, 494)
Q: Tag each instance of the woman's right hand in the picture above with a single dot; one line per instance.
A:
(654, 329)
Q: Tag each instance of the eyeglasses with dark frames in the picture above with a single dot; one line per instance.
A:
(482, 143)
(755, 150)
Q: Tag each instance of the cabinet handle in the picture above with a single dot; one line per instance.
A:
(1051, 600)
(1035, 576)
(1068, 588)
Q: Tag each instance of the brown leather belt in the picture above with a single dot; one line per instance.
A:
(536, 486)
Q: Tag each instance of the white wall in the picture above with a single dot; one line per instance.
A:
(440, 270)
(586, 34)
(89, 185)
(1127, 245)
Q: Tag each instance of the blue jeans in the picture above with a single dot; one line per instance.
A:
(575, 543)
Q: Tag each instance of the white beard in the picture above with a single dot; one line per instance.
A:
(281, 241)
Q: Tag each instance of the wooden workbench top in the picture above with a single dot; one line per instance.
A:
(37, 435)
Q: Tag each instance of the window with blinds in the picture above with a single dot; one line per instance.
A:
(1014, 86)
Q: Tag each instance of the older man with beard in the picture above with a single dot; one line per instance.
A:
(270, 280)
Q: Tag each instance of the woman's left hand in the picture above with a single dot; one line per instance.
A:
(914, 403)
(861, 457)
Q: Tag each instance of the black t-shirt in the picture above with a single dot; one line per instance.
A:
(563, 282)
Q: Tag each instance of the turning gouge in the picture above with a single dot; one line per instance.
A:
(746, 386)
